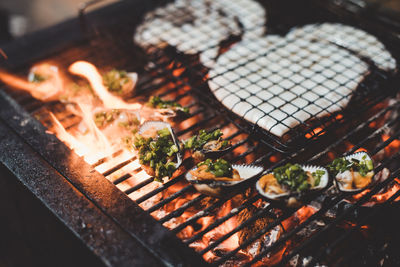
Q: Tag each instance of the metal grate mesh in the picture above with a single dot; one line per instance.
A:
(286, 85)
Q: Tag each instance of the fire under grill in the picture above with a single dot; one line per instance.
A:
(333, 228)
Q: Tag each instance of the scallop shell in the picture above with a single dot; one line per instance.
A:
(224, 188)
(213, 154)
(358, 156)
(293, 199)
(170, 113)
(159, 125)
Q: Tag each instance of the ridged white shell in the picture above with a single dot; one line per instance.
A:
(216, 188)
(310, 168)
(358, 156)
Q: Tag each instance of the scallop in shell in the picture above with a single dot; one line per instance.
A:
(224, 189)
(207, 152)
(295, 199)
(347, 177)
(151, 126)
(120, 82)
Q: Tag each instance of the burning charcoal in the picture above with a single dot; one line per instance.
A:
(252, 228)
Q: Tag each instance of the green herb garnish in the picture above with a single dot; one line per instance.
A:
(197, 142)
(159, 152)
(292, 176)
(157, 102)
(362, 166)
(37, 78)
(115, 80)
(103, 118)
(219, 167)
(317, 175)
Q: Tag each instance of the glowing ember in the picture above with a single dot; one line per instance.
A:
(317, 131)
(382, 196)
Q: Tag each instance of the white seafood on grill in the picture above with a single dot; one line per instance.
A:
(200, 25)
(280, 82)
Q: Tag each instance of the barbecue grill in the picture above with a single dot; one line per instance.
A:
(125, 221)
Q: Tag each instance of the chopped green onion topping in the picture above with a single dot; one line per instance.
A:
(219, 167)
(362, 166)
(103, 118)
(293, 177)
(159, 153)
(157, 102)
(197, 142)
(114, 80)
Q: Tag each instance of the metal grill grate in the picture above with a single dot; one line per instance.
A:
(286, 85)
(181, 77)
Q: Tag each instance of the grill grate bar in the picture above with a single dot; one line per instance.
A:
(198, 215)
(160, 189)
(354, 131)
(170, 198)
(194, 126)
(221, 220)
(139, 185)
(360, 251)
(119, 166)
(123, 178)
(282, 218)
(180, 210)
(322, 211)
(258, 215)
(359, 224)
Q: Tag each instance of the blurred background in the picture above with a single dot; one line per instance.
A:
(18, 17)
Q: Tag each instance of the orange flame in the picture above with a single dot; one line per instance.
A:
(90, 72)
(48, 90)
